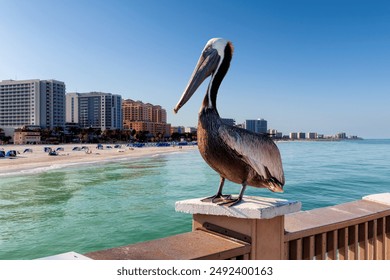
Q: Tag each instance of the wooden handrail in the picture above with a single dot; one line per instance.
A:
(199, 244)
(354, 230)
(305, 223)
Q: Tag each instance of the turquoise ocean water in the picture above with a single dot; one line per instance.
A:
(99, 206)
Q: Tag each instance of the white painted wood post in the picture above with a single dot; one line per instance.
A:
(259, 218)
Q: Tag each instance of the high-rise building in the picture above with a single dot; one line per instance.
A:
(94, 109)
(293, 135)
(145, 117)
(311, 135)
(301, 135)
(231, 122)
(341, 135)
(258, 126)
(32, 102)
(275, 134)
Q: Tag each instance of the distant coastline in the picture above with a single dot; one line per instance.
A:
(320, 140)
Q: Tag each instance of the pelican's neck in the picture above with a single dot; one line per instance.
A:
(210, 99)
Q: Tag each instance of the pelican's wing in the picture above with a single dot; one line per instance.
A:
(258, 151)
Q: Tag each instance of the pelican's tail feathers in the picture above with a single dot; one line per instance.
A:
(274, 185)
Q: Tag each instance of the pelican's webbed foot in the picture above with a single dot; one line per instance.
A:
(217, 198)
(230, 201)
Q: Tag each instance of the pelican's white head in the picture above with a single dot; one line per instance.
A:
(218, 44)
(208, 64)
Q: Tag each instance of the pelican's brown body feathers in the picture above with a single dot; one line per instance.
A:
(238, 154)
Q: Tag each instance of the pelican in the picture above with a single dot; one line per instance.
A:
(236, 154)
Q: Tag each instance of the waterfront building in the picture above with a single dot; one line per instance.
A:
(26, 136)
(293, 135)
(231, 122)
(94, 110)
(301, 135)
(32, 102)
(275, 134)
(141, 116)
(341, 135)
(178, 129)
(257, 126)
(311, 135)
(190, 130)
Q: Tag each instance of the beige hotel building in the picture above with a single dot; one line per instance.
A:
(145, 117)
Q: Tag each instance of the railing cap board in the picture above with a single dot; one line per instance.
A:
(198, 244)
(250, 208)
(383, 198)
(329, 218)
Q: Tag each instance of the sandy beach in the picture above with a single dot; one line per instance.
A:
(39, 160)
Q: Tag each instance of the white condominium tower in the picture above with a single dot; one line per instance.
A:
(32, 102)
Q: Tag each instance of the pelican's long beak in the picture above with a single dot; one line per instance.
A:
(206, 66)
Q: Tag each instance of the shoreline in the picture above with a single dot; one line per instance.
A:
(39, 161)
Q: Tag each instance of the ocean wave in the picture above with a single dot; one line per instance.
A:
(41, 169)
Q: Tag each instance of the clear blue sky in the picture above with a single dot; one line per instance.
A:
(321, 66)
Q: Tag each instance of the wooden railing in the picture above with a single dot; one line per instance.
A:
(195, 245)
(358, 230)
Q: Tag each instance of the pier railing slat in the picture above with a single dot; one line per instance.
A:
(356, 242)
